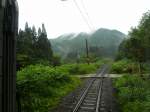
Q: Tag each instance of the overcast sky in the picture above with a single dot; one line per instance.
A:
(62, 17)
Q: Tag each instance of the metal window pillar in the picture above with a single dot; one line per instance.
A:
(8, 32)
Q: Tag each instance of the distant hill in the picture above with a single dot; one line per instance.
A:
(102, 42)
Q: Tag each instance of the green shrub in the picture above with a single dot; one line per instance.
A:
(133, 93)
(79, 69)
(124, 66)
(135, 106)
(146, 67)
(40, 87)
(130, 81)
(85, 68)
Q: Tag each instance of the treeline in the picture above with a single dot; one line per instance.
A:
(132, 89)
(34, 47)
(137, 46)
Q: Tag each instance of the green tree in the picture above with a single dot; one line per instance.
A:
(137, 46)
(43, 45)
(33, 47)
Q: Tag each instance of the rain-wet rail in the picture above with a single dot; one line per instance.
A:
(91, 97)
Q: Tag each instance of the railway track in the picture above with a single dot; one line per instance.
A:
(91, 97)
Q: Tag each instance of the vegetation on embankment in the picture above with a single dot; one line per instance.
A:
(129, 66)
(41, 87)
(83, 68)
(132, 90)
(133, 93)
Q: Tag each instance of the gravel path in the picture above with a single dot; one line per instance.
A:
(108, 101)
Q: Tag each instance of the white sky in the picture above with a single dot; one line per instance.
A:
(62, 17)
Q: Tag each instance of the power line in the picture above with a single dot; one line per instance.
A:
(84, 18)
(87, 14)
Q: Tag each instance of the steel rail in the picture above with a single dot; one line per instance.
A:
(87, 89)
(83, 96)
(99, 96)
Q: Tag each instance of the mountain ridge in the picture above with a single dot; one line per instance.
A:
(102, 38)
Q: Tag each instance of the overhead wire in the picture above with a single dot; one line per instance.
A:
(87, 14)
(82, 14)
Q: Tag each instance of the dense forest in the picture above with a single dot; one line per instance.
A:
(34, 47)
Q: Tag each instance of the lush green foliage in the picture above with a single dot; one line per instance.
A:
(124, 66)
(83, 68)
(137, 46)
(133, 93)
(40, 87)
(33, 47)
(146, 67)
(79, 68)
(129, 66)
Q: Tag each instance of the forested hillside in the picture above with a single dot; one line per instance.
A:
(101, 43)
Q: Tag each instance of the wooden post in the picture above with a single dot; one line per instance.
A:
(87, 51)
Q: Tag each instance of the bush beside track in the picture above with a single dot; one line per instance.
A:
(133, 93)
(41, 87)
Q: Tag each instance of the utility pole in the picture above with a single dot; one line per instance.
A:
(87, 52)
(78, 58)
(8, 32)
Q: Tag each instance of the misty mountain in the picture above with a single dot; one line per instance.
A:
(102, 42)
